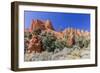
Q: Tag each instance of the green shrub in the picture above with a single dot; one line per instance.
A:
(82, 42)
(86, 43)
(60, 44)
(48, 41)
(26, 34)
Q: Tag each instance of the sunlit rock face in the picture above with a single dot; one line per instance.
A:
(39, 24)
(48, 25)
(69, 33)
(36, 24)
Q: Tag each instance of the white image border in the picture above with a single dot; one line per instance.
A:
(23, 64)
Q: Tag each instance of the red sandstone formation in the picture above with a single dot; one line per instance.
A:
(38, 24)
(35, 42)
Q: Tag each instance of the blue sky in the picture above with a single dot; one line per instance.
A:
(59, 20)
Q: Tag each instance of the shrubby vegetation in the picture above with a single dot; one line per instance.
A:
(56, 48)
(82, 42)
(48, 41)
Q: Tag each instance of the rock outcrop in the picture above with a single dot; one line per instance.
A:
(48, 25)
(39, 24)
